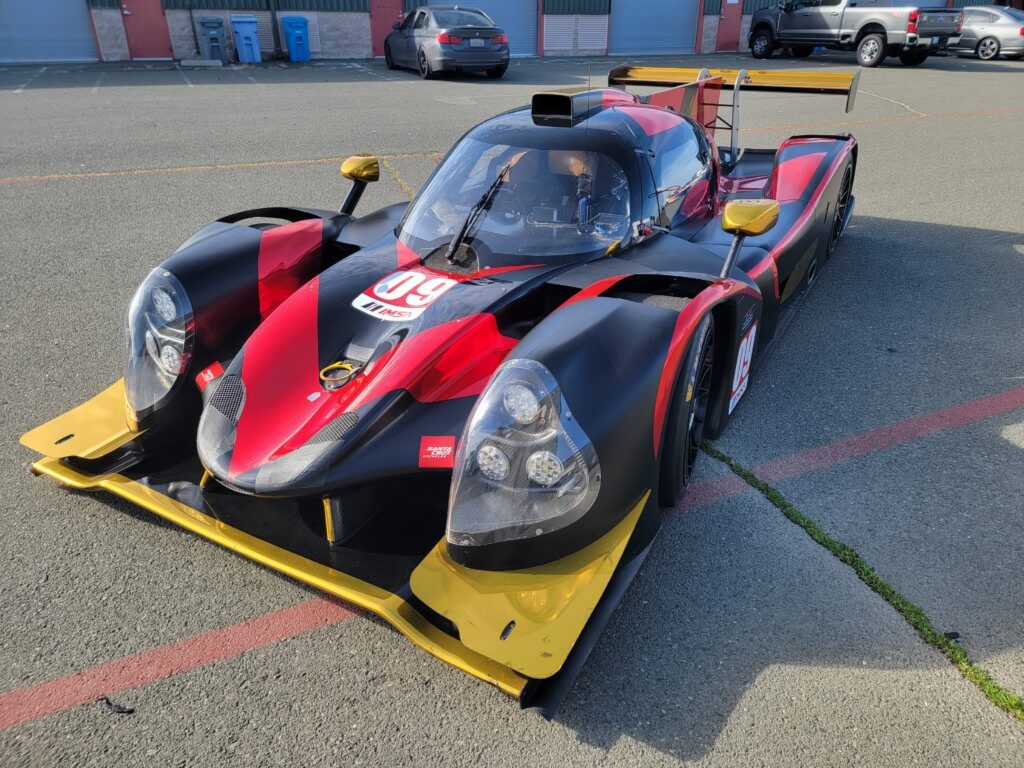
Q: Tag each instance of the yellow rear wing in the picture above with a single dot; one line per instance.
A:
(778, 80)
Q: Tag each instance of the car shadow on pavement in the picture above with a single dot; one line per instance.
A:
(738, 616)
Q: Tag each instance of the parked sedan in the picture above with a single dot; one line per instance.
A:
(446, 39)
(990, 30)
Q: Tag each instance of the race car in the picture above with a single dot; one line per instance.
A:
(465, 413)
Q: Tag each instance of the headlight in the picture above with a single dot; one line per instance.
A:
(524, 467)
(160, 331)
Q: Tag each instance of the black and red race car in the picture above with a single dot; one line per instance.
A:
(464, 413)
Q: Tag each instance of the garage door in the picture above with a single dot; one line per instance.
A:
(45, 30)
(652, 26)
(517, 17)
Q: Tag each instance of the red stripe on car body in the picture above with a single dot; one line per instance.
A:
(653, 120)
(289, 256)
(793, 175)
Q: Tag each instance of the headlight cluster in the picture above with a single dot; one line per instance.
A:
(524, 467)
(160, 331)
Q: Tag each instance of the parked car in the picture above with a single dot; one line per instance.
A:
(873, 28)
(990, 31)
(445, 38)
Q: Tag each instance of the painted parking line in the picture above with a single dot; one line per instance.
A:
(901, 432)
(47, 698)
(35, 701)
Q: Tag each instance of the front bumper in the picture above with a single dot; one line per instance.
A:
(459, 615)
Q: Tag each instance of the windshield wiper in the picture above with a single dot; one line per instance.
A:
(475, 214)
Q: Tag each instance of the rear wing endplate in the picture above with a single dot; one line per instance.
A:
(779, 80)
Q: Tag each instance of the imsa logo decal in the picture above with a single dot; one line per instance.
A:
(741, 377)
(403, 295)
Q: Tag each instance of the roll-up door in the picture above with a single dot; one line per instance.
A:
(45, 30)
(653, 26)
(517, 17)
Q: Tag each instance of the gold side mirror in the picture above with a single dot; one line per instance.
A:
(750, 217)
(365, 168)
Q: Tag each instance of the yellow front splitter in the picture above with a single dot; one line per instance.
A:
(390, 607)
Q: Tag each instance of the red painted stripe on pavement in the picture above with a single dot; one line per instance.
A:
(57, 695)
(899, 433)
(50, 697)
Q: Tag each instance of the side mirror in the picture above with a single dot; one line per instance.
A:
(744, 218)
(397, 25)
(750, 217)
(365, 168)
(362, 170)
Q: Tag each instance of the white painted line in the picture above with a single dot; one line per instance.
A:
(185, 78)
(25, 85)
(99, 80)
(893, 101)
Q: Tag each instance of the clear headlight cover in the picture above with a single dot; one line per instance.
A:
(160, 332)
(516, 480)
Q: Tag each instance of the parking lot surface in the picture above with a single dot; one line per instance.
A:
(891, 415)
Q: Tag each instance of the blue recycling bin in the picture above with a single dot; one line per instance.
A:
(247, 38)
(296, 35)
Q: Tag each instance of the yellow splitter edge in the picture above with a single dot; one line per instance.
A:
(549, 605)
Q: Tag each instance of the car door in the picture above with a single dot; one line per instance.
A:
(969, 33)
(419, 33)
(825, 21)
(795, 26)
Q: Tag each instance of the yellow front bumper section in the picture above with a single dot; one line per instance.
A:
(513, 626)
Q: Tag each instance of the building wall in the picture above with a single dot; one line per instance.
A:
(709, 34)
(343, 36)
(110, 34)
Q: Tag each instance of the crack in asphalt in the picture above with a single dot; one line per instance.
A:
(912, 613)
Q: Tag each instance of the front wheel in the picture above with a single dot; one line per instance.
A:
(762, 45)
(871, 50)
(425, 71)
(389, 62)
(913, 58)
(802, 51)
(988, 49)
(687, 414)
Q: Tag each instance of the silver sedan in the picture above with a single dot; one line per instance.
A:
(990, 31)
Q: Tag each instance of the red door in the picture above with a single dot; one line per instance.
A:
(383, 14)
(729, 26)
(146, 29)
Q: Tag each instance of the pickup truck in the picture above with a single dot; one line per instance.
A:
(873, 28)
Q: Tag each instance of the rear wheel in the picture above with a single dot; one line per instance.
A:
(685, 428)
(913, 58)
(762, 44)
(802, 51)
(843, 203)
(987, 49)
(871, 50)
(425, 71)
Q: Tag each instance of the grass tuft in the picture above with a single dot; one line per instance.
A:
(917, 618)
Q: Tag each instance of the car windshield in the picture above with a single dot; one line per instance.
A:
(461, 19)
(549, 203)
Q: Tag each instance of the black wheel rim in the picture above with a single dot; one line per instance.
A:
(423, 64)
(760, 44)
(842, 207)
(699, 408)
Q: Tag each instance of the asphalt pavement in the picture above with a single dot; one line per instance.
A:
(891, 414)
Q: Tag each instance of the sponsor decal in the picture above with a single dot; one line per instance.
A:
(206, 376)
(437, 452)
(747, 320)
(402, 295)
(741, 377)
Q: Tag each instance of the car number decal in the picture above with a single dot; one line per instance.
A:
(402, 295)
(741, 377)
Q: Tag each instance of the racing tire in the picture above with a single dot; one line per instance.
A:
(988, 49)
(762, 44)
(913, 58)
(685, 425)
(425, 71)
(497, 73)
(389, 62)
(871, 50)
(843, 202)
(802, 51)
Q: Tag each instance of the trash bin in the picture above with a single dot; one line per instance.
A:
(211, 38)
(296, 34)
(247, 39)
